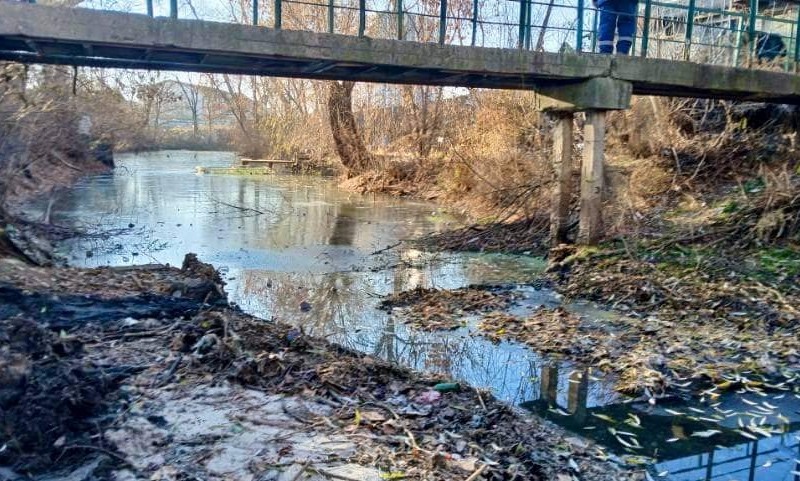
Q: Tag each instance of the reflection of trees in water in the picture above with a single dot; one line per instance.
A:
(334, 307)
(343, 310)
(344, 226)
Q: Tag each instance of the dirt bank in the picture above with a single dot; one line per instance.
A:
(145, 373)
(51, 173)
(39, 171)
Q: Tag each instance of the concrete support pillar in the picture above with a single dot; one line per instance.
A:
(590, 228)
(562, 165)
(595, 96)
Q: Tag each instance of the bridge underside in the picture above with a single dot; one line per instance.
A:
(91, 55)
(81, 37)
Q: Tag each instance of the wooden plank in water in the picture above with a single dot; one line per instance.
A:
(266, 161)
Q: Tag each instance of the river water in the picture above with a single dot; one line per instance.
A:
(299, 250)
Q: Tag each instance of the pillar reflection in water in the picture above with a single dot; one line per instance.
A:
(577, 390)
(578, 394)
(549, 381)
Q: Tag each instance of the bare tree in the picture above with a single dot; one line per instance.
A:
(191, 95)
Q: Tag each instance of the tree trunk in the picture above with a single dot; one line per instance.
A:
(346, 137)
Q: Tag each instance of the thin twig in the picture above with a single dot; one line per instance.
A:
(387, 248)
(98, 448)
(478, 472)
(302, 470)
(166, 376)
(237, 207)
(480, 399)
(333, 475)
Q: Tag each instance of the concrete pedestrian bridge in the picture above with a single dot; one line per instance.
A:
(83, 37)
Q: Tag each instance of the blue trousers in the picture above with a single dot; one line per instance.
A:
(617, 17)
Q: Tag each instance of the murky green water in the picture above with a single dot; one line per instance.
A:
(286, 241)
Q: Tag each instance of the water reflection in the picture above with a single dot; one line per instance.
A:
(299, 250)
(656, 432)
(343, 309)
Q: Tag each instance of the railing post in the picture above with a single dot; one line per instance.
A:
(278, 14)
(400, 27)
(474, 21)
(362, 17)
(595, 21)
(687, 48)
(579, 33)
(797, 41)
(738, 41)
(522, 22)
(331, 16)
(751, 31)
(255, 12)
(400, 33)
(648, 12)
(442, 21)
(149, 7)
(173, 8)
(528, 16)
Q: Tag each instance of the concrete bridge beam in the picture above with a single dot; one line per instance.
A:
(599, 93)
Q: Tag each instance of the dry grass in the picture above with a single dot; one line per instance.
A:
(494, 164)
(27, 117)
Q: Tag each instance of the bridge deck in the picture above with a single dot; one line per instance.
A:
(56, 35)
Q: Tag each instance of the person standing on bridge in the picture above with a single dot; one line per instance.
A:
(616, 17)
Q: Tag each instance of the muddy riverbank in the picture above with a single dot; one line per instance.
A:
(146, 373)
(299, 251)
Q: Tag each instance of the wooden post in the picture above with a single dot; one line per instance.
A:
(562, 164)
(590, 229)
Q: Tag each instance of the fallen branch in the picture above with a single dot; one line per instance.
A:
(237, 207)
(387, 248)
(478, 472)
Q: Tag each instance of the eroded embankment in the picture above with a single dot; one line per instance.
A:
(145, 373)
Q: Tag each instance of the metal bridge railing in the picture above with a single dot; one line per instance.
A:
(735, 34)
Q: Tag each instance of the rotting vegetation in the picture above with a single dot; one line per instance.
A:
(432, 309)
(193, 387)
(701, 263)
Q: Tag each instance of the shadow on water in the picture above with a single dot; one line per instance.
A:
(299, 250)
